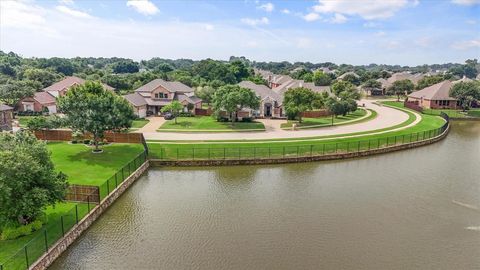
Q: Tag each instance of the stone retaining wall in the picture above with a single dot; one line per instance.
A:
(228, 162)
(61, 245)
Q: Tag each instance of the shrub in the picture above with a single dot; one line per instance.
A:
(185, 114)
(10, 233)
(74, 142)
(86, 141)
(247, 119)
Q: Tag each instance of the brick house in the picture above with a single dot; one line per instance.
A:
(6, 116)
(46, 99)
(270, 101)
(436, 96)
(152, 96)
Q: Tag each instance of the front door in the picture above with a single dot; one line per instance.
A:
(268, 110)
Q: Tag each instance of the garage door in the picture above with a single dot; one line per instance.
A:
(52, 109)
(142, 113)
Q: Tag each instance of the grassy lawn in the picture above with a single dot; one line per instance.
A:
(83, 167)
(22, 120)
(279, 148)
(326, 120)
(207, 123)
(12, 252)
(314, 145)
(139, 123)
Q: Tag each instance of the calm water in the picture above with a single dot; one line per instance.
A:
(415, 209)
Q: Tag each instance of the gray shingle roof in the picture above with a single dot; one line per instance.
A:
(44, 98)
(439, 91)
(4, 107)
(261, 90)
(135, 99)
(172, 87)
(69, 82)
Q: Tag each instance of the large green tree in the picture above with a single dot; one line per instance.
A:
(466, 93)
(320, 78)
(429, 81)
(400, 87)
(91, 108)
(299, 100)
(43, 76)
(233, 98)
(28, 180)
(205, 93)
(13, 91)
(345, 90)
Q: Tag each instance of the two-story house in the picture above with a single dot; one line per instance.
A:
(152, 96)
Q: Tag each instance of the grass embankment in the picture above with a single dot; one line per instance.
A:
(12, 252)
(292, 147)
(208, 124)
(86, 168)
(454, 113)
(325, 121)
(139, 123)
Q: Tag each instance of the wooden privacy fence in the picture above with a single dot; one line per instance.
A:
(315, 114)
(81, 193)
(66, 135)
(204, 112)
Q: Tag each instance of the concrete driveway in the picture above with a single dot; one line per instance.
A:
(154, 123)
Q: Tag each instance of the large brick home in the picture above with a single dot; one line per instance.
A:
(270, 101)
(152, 96)
(6, 116)
(436, 96)
(46, 99)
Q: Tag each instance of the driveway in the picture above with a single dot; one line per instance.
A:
(154, 123)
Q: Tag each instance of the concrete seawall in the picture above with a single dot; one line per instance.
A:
(229, 162)
(61, 245)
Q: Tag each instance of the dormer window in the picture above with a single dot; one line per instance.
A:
(165, 95)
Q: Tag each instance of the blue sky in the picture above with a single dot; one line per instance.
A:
(405, 32)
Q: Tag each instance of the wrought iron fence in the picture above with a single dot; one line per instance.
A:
(58, 227)
(293, 151)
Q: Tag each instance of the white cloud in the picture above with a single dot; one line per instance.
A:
(392, 44)
(285, 11)
(255, 22)
(423, 42)
(268, 7)
(465, 45)
(22, 15)
(312, 16)
(209, 27)
(367, 9)
(144, 7)
(371, 24)
(466, 2)
(304, 43)
(73, 12)
(338, 18)
(471, 22)
(380, 34)
(66, 2)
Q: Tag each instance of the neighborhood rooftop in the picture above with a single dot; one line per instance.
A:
(439, 91)
(170, 86)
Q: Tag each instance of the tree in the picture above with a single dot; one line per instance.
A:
(336, 107)
(372, 84)
(13, 91)
(429, 81)
(91, 108)
(205, 93)
(233, 98)
(345, 89)
(45, 77)
(299, 100)
(401, 87)
(466, 93)
(125, 66)
(28, 180)
(175, 107)
(320, 78)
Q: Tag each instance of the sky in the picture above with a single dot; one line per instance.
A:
(404, 32)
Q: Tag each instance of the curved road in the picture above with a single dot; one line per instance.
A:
(386, 117)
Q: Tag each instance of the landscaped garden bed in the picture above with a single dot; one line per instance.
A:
(355, 117)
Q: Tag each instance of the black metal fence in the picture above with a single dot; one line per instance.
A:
(58, 227)
(293, 151)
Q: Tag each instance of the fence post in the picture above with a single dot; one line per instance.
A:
(193, 153)
(269, 152)
(311, 150)
(123, 176)
(323, 150)
(254, 152)
(63, 227)
(297, 150)
(208, 153)
(88, 203)
(358, 146)
(368, 145)
(284, 151)
(116, 182)
(46, 240)
(336, 147)
(177, 153)
(76, 213)
(26, 256)
(224, 153)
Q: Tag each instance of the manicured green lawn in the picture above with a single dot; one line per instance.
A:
(86, 168)
(326, 120)
(451, 113)
(12, 252)
(207, 123)
(139, 123)
(289, 147)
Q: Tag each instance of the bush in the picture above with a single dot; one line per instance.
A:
(74, 141)
(10, 233)
(247, 119)
(86, 141)
(185, 114)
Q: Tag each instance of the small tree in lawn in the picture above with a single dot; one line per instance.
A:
(175, 107)
(233, 98)
(466, 93)
(28, 180)
(299, 100)
(91, 108)
(401, 87)
(337, 107)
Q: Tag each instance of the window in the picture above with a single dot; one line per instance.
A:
(165, 95)
(156, 95)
